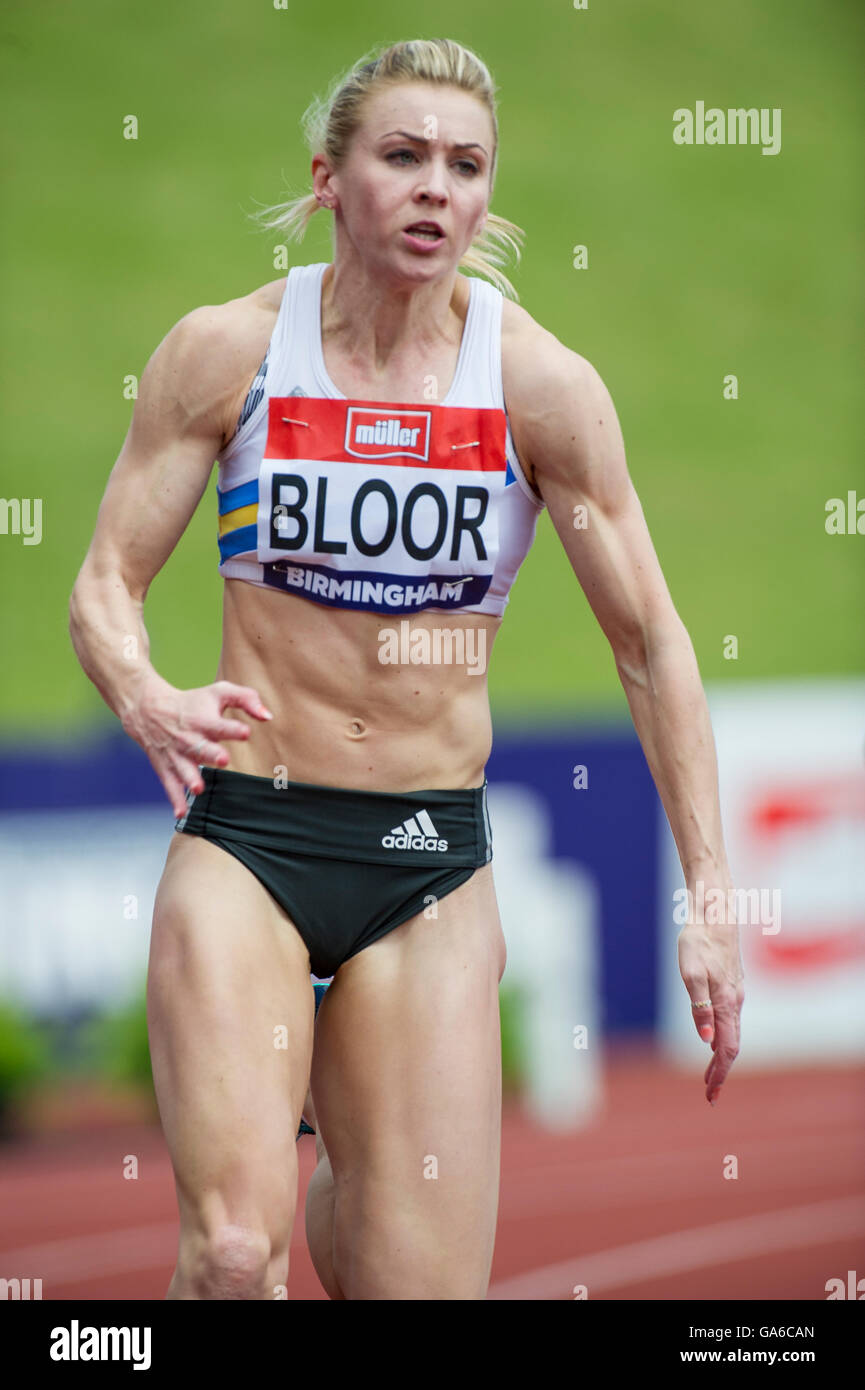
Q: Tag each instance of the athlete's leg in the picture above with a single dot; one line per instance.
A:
(319, 1209)
(406, 1082)
(319, 1220)
(230, 1012)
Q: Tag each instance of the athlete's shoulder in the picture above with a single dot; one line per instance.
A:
(207, 360)
(555, 398)
(535, 363)
(232, 325)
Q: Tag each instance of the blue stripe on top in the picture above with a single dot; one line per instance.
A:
(235, 497)
(236, 542)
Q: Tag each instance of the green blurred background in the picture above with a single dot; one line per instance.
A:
(701, 262)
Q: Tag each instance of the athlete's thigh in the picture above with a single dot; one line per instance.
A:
(230, 1016)
(406, 1074)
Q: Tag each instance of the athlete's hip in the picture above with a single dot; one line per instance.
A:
(448, 827)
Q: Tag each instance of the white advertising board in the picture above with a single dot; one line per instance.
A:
(791, 759)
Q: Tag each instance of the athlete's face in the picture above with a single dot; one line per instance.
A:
(423, 154)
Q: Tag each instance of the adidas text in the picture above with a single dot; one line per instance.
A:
(403, 841)
(418, 832)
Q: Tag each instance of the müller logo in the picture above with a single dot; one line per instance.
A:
(376, 433)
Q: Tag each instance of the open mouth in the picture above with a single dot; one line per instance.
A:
(425, 231)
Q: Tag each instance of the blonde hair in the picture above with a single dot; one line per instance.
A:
(330, 122)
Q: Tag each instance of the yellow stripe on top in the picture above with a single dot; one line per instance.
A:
(241, 516)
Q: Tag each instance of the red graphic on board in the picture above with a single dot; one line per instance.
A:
(786, 823)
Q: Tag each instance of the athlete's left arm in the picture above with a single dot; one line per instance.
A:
(566, 430)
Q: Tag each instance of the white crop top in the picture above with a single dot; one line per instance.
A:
(392, 508)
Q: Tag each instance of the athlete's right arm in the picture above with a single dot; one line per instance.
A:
(178, 424)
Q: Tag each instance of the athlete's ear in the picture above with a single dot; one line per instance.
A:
(321, 175)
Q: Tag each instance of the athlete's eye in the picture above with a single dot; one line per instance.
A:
(466, 166)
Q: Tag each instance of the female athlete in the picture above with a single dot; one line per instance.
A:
(388, 430)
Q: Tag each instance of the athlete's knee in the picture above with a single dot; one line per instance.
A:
(395, 1253)
(234, 1262)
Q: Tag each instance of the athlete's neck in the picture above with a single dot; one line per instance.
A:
(373, 322)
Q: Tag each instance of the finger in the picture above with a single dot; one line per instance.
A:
(722, 1060)
(205, 751)
(174, 789)
(725, 1053)
(703, 1015)
(186, 772)
(241, 697)
(228, 728)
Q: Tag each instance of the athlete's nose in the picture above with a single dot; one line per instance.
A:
(433, 187)
(431, 194)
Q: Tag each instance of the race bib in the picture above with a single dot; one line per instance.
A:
(378, 506)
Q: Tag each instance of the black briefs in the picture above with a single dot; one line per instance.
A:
(346, 865)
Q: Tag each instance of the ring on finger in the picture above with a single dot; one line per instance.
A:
(198, 749)
(702, 1004)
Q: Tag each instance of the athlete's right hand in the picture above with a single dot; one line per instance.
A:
(178, 729)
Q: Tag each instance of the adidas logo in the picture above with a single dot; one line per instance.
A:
(418, 832)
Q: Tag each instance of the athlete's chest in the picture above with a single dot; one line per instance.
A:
(424, 381)
(369, 503)
(364, 479)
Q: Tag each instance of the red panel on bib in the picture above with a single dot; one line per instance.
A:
(413, 436)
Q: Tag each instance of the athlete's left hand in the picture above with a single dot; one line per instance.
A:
(710, 964)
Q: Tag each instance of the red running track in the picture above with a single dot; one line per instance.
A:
(636, 1206)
